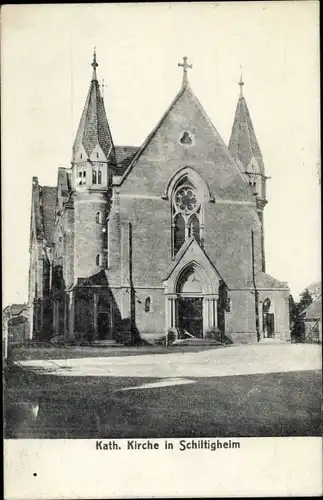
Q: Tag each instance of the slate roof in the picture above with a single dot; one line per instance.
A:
(48, 196)
(314, 288)
(99, 278)
(266, 281)
(94, 127)
(124, 156)
(243, 142)
(314, 310)
(63, 182)
(16, 309)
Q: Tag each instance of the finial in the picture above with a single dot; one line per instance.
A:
(94, 65)
(185, 66)
(241, 82)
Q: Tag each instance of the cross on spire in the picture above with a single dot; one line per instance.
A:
(103, 86)
(185, 66)
(241, 82)
(94, 65)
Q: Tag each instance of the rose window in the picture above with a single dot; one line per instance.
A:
(186, 200)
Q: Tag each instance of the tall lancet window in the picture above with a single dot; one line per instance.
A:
(179, 232)
(93, 176)
(194, 227)
(186, 214)
(100, 177)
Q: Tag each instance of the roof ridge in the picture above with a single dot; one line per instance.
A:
(153, 132)
(218, 135)
(245, 113)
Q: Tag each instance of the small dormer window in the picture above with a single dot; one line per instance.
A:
(81, 156)
(97, 155)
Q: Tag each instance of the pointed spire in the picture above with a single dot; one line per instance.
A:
(94, 65)
(243, 143)
(94, 128)
(185, 66)
(241, 83)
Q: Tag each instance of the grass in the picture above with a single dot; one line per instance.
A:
(275, 404)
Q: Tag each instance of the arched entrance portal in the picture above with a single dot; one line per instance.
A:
(190, 303)
(268, 320)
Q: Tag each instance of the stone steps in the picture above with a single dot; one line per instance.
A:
(105, 343)
(197, 341)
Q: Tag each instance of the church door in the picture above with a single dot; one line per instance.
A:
(190, 315)
(104, 326)
(270, 320)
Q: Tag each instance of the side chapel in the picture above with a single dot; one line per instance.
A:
(135, 241)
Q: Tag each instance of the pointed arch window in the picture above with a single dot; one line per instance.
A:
(98, 260)
(194, 227)
(100, 177)
(179, 232)
(82, 177)
(266, 305)
(187, 214)
(93, 176)
(98, 218)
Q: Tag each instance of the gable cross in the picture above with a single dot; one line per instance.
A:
(185, 66)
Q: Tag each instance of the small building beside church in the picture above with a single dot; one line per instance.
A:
(312, 319)
(135, 241)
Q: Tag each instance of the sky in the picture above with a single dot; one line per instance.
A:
(45, 73)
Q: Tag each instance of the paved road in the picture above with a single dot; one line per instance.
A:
(234, 360)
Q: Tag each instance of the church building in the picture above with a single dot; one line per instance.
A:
(136, 242)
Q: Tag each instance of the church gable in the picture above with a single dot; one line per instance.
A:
(192, 256)
(185, 136)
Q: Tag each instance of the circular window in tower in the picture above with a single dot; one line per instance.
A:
(186, 199)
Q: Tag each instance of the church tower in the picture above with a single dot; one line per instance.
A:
(244, 148)
(92, 163)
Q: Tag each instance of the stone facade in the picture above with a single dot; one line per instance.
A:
(166, 236)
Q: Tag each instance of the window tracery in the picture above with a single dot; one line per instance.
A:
(186, 138)
(186, 213)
